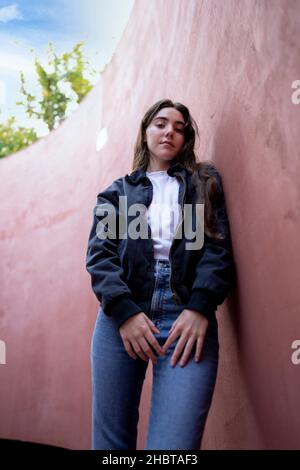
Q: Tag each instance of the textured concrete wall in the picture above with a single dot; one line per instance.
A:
(233, 64)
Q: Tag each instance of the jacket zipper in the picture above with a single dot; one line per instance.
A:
(175, 295)
(154, 282)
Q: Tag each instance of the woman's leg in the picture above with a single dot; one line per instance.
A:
(181, 396)
(117, 381)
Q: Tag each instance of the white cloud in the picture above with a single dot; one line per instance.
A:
(16, 62)
(10, 13)
(17, 53)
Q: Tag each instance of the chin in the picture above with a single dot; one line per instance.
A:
(167, 157)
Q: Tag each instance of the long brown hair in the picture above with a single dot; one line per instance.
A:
(209, 190)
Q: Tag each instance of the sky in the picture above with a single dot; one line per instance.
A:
(26, 28)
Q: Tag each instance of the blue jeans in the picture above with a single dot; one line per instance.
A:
(181, 396)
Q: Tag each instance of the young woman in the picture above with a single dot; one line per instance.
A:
(159, 289)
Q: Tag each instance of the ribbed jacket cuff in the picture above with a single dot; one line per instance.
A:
(201, 300)
(122, 308)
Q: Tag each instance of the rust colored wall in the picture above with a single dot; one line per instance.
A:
(232, 63)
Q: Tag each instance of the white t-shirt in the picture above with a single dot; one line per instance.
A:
(163, 212)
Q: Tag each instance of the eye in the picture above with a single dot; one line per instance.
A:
(180, 130)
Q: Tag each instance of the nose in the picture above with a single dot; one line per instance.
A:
(169, 130)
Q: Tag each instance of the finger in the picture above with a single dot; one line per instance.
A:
(151, 324)
(147, 350)
(178, 350)
(198, 349)
(129, 349)
(173, 326)
(151, 338)
(187, 351)
(170, 340)
(154, 343)
(138, 350)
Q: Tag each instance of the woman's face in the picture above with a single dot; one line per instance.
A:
(166, 126)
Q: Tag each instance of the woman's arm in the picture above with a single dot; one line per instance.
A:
(215, 272)
(103, 262)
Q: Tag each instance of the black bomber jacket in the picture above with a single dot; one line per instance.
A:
(122, 268)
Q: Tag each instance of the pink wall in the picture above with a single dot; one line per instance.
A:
(232, 63)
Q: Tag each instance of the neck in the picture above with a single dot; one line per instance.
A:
(158, 165)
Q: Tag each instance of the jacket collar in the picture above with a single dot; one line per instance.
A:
(139, 175)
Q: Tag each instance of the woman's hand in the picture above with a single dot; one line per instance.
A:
(191, 326)
(136, 334)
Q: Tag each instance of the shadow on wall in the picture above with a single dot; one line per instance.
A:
(228, 151)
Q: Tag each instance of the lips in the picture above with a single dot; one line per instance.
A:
(167, 143)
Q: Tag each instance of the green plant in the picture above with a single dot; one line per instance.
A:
(13, 138)
(69, 68)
